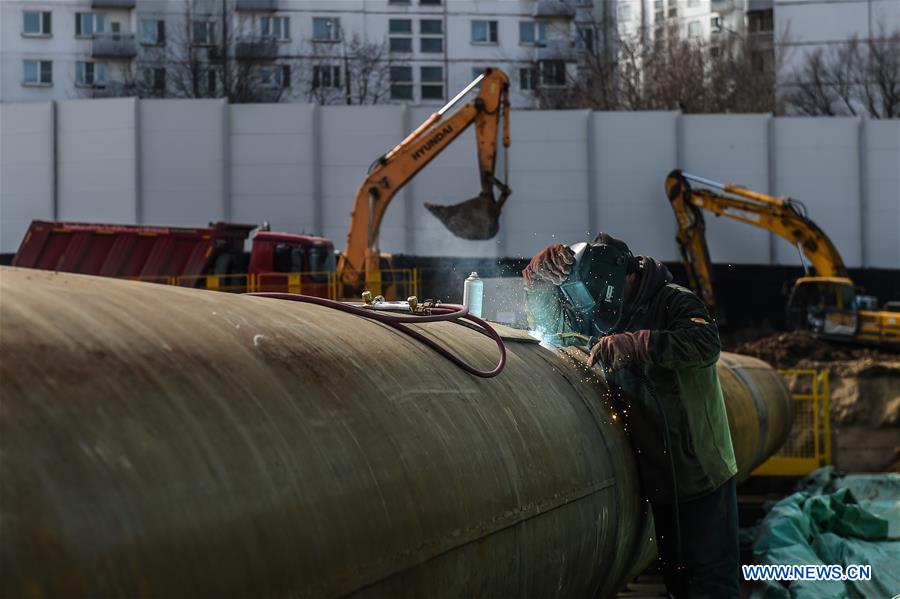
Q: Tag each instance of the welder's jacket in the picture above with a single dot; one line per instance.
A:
(683, 350)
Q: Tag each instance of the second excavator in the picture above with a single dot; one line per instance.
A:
(824, 301)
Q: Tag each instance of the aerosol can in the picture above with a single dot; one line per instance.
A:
(473, 293)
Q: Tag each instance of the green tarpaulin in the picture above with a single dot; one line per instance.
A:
(834, 519)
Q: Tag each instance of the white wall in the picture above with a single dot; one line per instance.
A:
(573, 173)
(96, 159)
(26, 169)
(183, 149)
(272, 174)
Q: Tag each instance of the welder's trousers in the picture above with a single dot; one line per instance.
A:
(710, 554)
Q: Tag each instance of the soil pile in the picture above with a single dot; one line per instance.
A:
(865, 394)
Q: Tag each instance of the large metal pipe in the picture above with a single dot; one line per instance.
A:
(173, 442)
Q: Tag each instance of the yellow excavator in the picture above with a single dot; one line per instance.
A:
(476, 218)
(824, 302)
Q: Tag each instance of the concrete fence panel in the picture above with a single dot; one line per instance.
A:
(272, 166)
(632, 153)
(96, 159)
(27, 170)
(817, 162)
(352, 138)
(183, 149)
(881, 186)
(729, 149)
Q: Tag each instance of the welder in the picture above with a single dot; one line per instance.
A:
(658, 347)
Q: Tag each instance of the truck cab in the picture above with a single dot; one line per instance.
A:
(292, 263)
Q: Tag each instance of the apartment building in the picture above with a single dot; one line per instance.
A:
(329, 51)
(804, 26)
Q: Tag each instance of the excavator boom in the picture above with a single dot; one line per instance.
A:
(782, 216)
(476, 218)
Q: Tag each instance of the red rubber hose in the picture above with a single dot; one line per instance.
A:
(442, 313)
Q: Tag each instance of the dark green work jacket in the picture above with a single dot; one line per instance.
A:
(683, 349)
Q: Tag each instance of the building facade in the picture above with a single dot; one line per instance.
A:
(329, 51)
(805, 26)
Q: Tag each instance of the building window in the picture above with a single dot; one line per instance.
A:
(37, 23)
(760, 20)
(401, 83)
(89, 74)
(527, 79)
(326, 76)
(88, 23)
(203, 33)
(153, 32)
(693, 3)
(398, 1)
(430, 2)
(673, 10)
(477, 72)
(326, 29)
(275, 27)
(278, 75)
(431, 45)
(155, 79)
(431, 27)
(400, 26)
(432, 40)
(715, 23)
(37, 72)
(553, 73)
(401, 45)
(624, 13)
(484, 32)
(432, 83)
(694, 29)
(211, 83)
(532, 32)
(401, 35)
(584, 39)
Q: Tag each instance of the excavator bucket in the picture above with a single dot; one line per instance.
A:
(476, 218)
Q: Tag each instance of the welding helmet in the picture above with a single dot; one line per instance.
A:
(595, 287)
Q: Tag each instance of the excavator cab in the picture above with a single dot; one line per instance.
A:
(825, 306)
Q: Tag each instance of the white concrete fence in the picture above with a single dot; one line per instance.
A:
(573, 173)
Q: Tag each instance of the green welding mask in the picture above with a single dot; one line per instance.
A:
(595, 287)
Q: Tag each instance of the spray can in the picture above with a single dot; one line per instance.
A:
(473, 293)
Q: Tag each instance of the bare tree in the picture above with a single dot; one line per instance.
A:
(207, 55)
(349, 72)
(860, 77)
(734, 73)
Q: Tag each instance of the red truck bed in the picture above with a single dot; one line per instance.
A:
(127, 250)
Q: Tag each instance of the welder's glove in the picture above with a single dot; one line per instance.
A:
(620, 350)
(552, 264)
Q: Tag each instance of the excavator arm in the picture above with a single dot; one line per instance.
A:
(476, 218)
(784, 217)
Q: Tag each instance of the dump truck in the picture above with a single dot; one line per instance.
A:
(212, 257)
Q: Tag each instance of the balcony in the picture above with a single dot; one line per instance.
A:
(123, 4)
(113, 90)
(259, 48)
(759, 5)
(722, 6)
(257, 5)
(557, 50)
(762, 39)
(554, 9)
(113, 45)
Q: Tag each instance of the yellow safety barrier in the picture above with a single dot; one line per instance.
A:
(393, 284)
(809, 445)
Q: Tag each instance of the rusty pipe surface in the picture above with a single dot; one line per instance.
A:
(160, 441)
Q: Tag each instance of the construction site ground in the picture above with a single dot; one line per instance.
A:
(865, 395)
